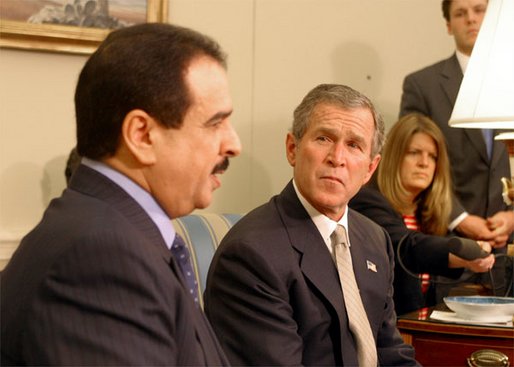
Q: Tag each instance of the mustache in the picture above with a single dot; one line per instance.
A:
(221, 167)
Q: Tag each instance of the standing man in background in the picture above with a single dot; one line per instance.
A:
(477, 161)
(103, 279)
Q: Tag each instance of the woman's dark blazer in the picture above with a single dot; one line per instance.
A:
(420, 253)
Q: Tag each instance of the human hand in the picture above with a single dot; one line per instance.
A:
(476, 228)
(480, 265)
(456, 261)
(485, 245)
(502, 224)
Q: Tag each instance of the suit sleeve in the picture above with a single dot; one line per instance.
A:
(457, 208)
(246, 302)
(420, 252)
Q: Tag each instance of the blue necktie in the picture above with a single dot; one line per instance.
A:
(181, 254)
(488, 137)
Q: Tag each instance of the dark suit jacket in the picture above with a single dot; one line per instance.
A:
(95, 284)
(273, 294)
(419, 252)
(432, 91)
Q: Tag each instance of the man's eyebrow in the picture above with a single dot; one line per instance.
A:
(219, 116)
(358, 138)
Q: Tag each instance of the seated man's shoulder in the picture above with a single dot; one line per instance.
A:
(254, 227)
(365, 225)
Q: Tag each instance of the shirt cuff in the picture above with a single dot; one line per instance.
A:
(457, 221)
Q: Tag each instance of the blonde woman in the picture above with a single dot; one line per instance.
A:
(411, 199)
(414, 175)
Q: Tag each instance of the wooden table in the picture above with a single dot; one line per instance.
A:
(438, 343)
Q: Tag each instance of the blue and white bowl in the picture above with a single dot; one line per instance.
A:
(480, 308)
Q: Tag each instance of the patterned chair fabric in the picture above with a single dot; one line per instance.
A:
(203, 233)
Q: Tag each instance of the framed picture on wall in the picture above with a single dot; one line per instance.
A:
(73, 26)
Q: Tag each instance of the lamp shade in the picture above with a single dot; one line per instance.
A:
(486, 95)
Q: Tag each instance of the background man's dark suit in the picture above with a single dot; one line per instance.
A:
(283, 304)
(66, 308)
(433, 91)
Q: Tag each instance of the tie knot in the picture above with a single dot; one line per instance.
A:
(339, 236)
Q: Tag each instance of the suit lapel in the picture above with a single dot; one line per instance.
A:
(498, 152)
(93, 183)
(365, 273)
(314, 255)
(477, 141)
(451, 79)
(307, 241)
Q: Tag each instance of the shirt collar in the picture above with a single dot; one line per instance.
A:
(140, 195)
(324, 224)
(463, 60)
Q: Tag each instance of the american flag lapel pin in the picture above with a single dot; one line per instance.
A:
(371, 266)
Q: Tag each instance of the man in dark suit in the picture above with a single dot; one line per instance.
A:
(479, 210)
(275, 291)
(95, 283)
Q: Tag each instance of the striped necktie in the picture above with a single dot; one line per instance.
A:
(359, 323)
(181, 254)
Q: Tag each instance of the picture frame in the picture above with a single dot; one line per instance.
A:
(23, 35)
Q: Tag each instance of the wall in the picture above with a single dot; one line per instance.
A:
(278, 50)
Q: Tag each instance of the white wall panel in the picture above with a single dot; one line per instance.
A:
(278, 50)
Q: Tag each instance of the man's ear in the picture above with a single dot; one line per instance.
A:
(372, 168)
(291, 148)
(136, 132)
(449, 28)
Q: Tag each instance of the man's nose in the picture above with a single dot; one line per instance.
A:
(336, 155)
(472, 16)
(232, 144)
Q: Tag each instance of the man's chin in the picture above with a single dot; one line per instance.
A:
(204, 201)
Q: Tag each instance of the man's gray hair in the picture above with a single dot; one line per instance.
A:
(341, 96)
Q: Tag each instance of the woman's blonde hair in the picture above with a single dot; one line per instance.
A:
(434, 203)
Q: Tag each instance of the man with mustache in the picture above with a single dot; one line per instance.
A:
(477, 161)
(103, 279)
(277, 291)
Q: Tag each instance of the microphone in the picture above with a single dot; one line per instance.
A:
(466, 248)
